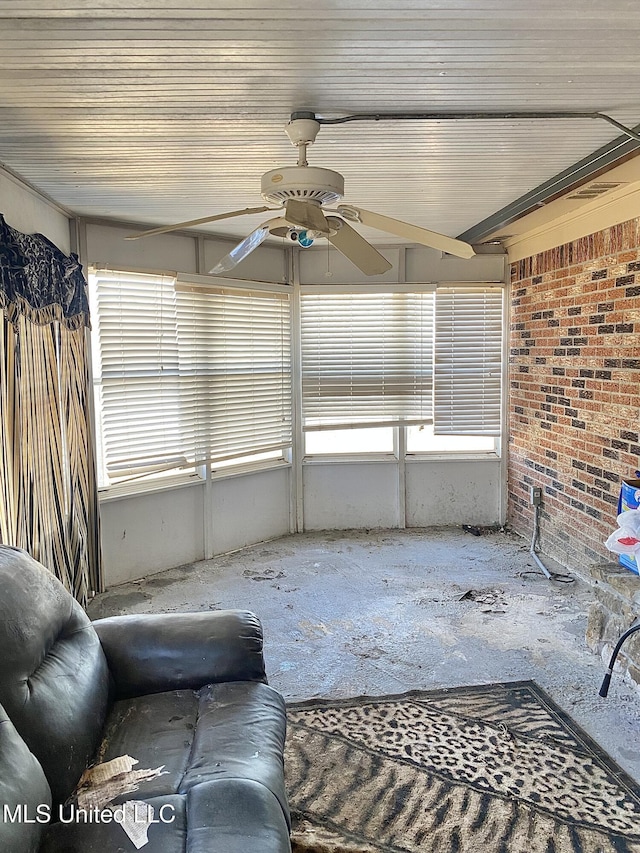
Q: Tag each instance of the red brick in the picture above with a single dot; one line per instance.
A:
(611, 405)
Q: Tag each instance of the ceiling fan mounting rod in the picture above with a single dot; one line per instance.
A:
(302, 131)
(458, 116)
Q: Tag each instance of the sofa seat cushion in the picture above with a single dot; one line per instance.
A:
(239, 735)
(229, 731)
(168, 834)
(156, 730)
(228, 816)
(235, 816)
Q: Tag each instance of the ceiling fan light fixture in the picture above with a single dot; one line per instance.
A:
(305, 239)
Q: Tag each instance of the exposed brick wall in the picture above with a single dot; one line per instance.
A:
(574, 399)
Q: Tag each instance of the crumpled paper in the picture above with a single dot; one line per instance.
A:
(136, 818)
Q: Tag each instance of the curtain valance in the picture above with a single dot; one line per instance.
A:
(40, 282)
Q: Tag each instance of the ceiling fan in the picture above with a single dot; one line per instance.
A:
(301, 192)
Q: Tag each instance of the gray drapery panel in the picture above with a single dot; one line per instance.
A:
(48, 488)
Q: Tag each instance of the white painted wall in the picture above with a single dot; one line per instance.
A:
(344, 495)
(26, 211)
(106, 246)
(410, 264)
(319, 266)
(424, 264)
(146, 533)
(143, 534)
(249, 508)
(453, 491)
(265, 264)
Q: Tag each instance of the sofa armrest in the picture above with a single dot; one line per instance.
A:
(152, 653)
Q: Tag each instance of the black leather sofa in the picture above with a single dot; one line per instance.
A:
(187, 691)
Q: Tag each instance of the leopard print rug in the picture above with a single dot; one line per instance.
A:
(491, 769)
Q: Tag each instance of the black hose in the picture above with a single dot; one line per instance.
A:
(604, 689)
(552, 576)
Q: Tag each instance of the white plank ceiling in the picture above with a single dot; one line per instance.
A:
(157, 112)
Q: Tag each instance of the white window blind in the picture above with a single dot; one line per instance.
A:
(136, 372)
(235, 368)
(186, 374)
(468, 361)
(366, 359)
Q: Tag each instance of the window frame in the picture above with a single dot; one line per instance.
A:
(397, 348)
(416, 456)
(195, 474)
(296, 455)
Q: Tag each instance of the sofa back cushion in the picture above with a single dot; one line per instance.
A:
(54, 681)
(25, 797)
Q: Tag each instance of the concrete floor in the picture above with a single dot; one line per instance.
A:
(351, 613)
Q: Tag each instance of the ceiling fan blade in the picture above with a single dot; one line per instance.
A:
(306, 215)
(354, 247)
(244, 248)
(165, 228)
(414, 233)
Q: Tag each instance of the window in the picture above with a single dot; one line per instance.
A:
(193, 371)
(234, 352)
(187, 374)
(136, 374)
(468, 361)
(421, 439)
(351, 442)
(427, 361)
(367, 359)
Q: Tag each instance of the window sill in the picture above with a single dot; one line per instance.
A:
(181, 481)
(251, 468)
(410, 458)
(455, 456)
(349, 458)
(121, 491)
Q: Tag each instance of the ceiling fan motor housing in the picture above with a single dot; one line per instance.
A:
(311, 183)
